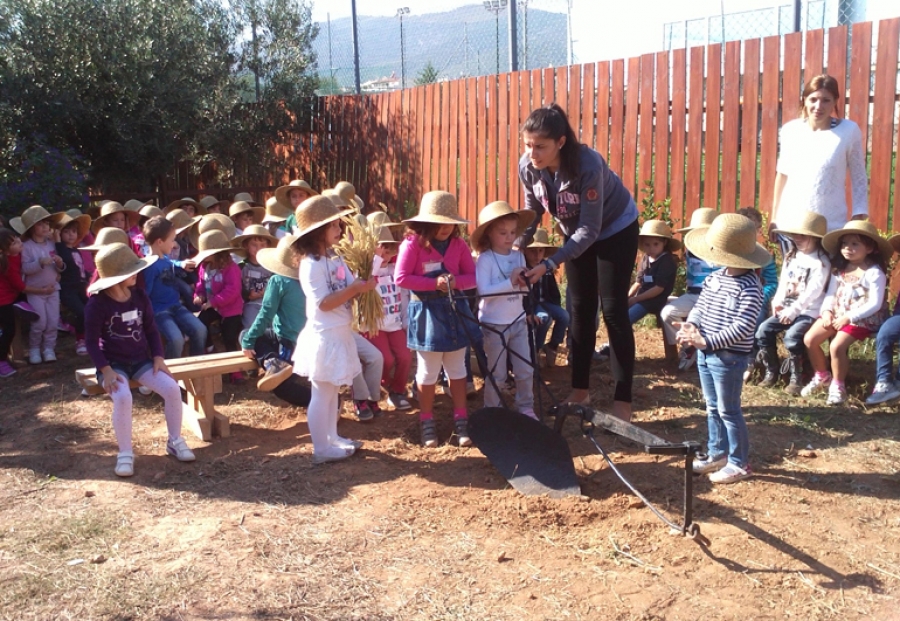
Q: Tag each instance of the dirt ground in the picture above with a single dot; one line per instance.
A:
(252, 530)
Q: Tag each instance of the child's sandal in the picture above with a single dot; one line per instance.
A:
(125, 464)
(429, 433)
(461, 426)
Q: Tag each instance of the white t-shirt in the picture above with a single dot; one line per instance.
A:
(492, 273)
(320, 278)
(816, 164)
(801, 288)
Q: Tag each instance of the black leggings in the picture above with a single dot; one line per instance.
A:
(7, 330)
(74, 300)
(230, 326)
(606, 265)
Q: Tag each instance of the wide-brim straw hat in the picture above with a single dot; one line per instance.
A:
(117, 263)
(275, 211)
(438, 207)
(702, 216)
(106, 236)
(254, 230)
(243, 206)
(109, 208)
(280, 259)
(181, 220)
(150, 211)
(247, 198)
(281, 194)
(807, 223)
(316, 212)
(864, 228)
(385, 236)
(35, 214)
(542, 240)
(658, 228)
(380, 219)
(894, 241)
(211, 222)
(133, 204)
(200, 209)
(339, 201)
(75, 213)
(16, 225)
(495, 211)
(213, 242)
(83, 221)
(348, 192)
(730, 241)
(208, 201)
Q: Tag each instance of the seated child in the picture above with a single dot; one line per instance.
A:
(253, 275)
(289, 197)
(656, 273)
(243, 214)
(115, 215)
(123, 342)
(549, 301)
(218, 290)
(74, 279)
(887, 386)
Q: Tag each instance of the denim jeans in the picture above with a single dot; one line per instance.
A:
(767, 333)
(885, 342)
(176, 323)
(636, 312)
(722, 377)
(548, 312)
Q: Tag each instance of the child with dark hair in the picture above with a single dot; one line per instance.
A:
(74, 279)
(254, 276)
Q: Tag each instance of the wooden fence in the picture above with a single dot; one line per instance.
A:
(700, 124)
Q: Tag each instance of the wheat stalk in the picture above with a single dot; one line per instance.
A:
(358, 251)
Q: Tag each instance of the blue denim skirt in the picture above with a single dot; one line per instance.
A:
(437, 324)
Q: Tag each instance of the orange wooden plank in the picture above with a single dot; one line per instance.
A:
(442, 137)
(493, 110)
(514, 144)
(435, 139)
(427, 142)
(481, 144)
(562, 88)
(416, 147)
(537, 89)
(503, 138)
(617, 119)
(815, 54)
(548, 94)
(661, 129)
(792, 82)
(837, 64)
(399, 132)
(769, 132)
(860, 77)
(603, 111)
(885, 95)
(588, 99)
(731, 89)
(453, 164)
(632, 105)
(525, 78)
(749, 123)
(645, 125)
(573, 109)
(712, 149)
(471, 142)
(678, 137)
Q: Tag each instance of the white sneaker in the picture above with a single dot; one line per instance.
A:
(144, 390)
(178, 448)
(529, 413)
(125, 464)
(34, 356)
(709, 464)
(884, 392)
(818, 383)
(837, 394)
(81, 348)
(49, 355)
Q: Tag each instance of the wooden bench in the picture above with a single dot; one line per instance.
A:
(201, 379)
(670, 349)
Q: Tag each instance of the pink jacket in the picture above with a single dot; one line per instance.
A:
(413, 259)
(225, 291)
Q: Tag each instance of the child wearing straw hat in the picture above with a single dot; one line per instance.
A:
(696, 270)
(290, 196)
(123, 343)
(41, 267)
(115, 215)
(549, 301)
(73, 280)
(721, 327)
(326, 352)
(855, 305)
(254, 276)
(887, 385)
(433, 261)
(501, 308)
(805, 275)
(275, 218)
(243, 214)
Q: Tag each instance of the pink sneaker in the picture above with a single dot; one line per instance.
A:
(81, 348)
(26, 311)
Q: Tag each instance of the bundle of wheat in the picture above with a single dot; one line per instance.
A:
(357, 248)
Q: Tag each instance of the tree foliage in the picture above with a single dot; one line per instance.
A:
(428, 75)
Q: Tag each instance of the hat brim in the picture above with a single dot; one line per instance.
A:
(84, 225)
(203, 255)
(273, 219)
(105, 283)
(524, 216)
(258, 214)
(270, 259)
(550, 248)
(181, 229)
(321, 223)
(832, 240)
(54, 219)
(237, 241)
(797, 231)
(281, 193)
(894, 241)
(695, 241)
(201, 210)
(674, 244)
(132, 218)
(436, 219)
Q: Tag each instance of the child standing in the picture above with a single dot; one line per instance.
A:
(218, 290)
(721, 327)
(74, 278)
(501, 310)
(124, 345)
(855, 305)
(391, 337)
(11, 287)
(326, 352)
(887, 387)
(433, 260)
(253, 275)
(549, 301)
(41, 267)
(801, 290)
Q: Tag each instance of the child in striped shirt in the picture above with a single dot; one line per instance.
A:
(721, 326)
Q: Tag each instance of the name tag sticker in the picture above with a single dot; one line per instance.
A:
(732, 303)
(130, 316)
(648, 278)
(432, 266)
(254, 274)
(714, 284)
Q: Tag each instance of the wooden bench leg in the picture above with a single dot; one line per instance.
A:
(670, 349)
(200, 398)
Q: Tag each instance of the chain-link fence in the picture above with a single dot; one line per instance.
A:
(764, 22)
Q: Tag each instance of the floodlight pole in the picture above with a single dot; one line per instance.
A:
(355, 47)
(400, 13)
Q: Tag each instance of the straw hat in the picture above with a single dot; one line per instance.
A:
(385, 236)
(338, 200)
(84, 224)
(201, 210)
(208, 201)
(110, 207)
(542, 240)
(703, 216)
(730, 241)
(150, 211)
(247, 198)
(280, 259)
(181, 220)
(864, 228)
(209, 222)
(108, 235)
(275, 211)
(16, 225)
(243, 206)
(75, 213)
(658, 228)
(894, 241)
(133, 204)
(254, 230)
(806, 223)
(316, 212)
(281, 194)
(438, 207)
(213, 242)
(495, 211)
(35, 214)
(117, 263)
(380, 219)
(348, 193)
